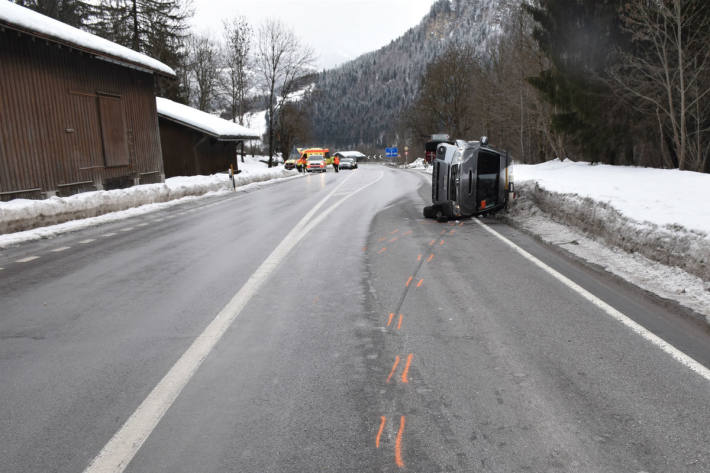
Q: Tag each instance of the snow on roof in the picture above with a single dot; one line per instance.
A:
(28, 21)
(350, 154)
(202, 121)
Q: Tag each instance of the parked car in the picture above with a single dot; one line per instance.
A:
(469, 178)
(348, 163)
(315, 163)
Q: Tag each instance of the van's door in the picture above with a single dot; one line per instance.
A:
(488, 179)
(467, 186)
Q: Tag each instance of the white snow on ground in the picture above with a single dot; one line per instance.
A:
(29, 20)
(420, 164)
(660, 196)
(202, 120)
(651, 227)
(666, 281)
(124, 203)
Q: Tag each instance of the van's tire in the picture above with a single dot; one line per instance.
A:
(431, 210)
(440, 217)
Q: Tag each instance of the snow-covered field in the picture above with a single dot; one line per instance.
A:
(648, 226)
(89, 208)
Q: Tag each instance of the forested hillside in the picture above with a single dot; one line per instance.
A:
(363, 101)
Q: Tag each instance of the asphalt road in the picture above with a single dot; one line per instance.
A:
(486, 363)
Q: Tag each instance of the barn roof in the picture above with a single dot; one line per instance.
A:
(204, 122)
(27, 21)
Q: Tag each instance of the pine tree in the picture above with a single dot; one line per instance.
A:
(579, 38)
(72, 12)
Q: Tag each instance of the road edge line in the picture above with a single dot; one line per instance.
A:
(671, 350)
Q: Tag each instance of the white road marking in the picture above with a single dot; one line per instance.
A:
(127, 229)
(141, 224)
(27, 260)
(106, 235)
(158, 219)
(61, 248)
(678, 355)
(120, 450)
(1, 269)
(88, 240)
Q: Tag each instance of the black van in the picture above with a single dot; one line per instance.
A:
(469, 178)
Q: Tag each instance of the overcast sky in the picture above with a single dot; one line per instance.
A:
(338, 30)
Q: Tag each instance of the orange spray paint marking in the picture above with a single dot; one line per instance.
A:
(460, 224)
(431, 243)
(364, 248)
(419, 257)
(452, 231)
(393, 239)
(394, 367)
(398, 444)
(381, 239)
(408, 281)
(406, 368)
(379, 432)
(384, 248)
(408, 232)
(420, 283)
(390, 319)
(441, 243)
(394, 231)
(399, 325)
(442, 232)
(431, 257)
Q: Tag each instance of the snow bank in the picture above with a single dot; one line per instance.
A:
(28, 20)
(664, 197)
(203, 121)
(660, 214)
(23, 214)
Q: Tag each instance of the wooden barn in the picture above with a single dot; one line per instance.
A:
(77, 112)
(195, 142)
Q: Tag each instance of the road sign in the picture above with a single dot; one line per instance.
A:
(391, 152)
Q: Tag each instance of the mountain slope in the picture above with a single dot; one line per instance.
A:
(362, 101)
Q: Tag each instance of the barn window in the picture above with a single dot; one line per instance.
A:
(113, 131)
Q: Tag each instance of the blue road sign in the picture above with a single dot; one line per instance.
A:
(391, 152)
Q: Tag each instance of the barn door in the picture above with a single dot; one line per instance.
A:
(113, 131)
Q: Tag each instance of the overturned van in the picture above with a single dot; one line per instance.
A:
(469, 178)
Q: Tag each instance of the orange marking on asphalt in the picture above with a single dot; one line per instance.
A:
(431, 257)
(315, 300)
(384, 248)
(390, 319)
(399, 325)
(406, 368)
(394, 367)
(394, 239)
(461, 224)
(379, 432)
(408, 281)
(408, 232)
(431, 243)
(441, 243)
(398, 444)
(394, 231)
(364, 248)
(381, 239)
(452, 231)
(442, 232)
(420, 282)
(419, 257)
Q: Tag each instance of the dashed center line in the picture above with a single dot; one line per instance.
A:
(106, 235)
(141, 224)
(61, 248)
(88, 240)
(27, 260)
(127, 229)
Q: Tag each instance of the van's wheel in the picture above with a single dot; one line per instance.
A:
(431, 210)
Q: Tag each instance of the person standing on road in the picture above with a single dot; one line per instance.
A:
(336, 162)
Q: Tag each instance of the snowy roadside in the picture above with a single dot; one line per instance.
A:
(36, 219)
(643, 225)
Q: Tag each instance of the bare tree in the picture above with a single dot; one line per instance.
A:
(234, 77)
(202, 64)
(666, 72)
(280, 60)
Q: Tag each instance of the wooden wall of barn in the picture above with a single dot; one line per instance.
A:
(71, 122)
(187, 152)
